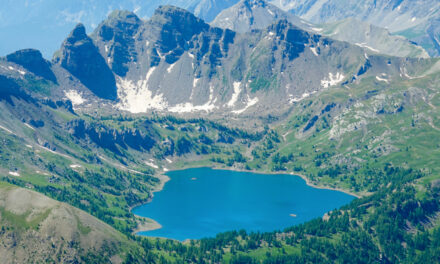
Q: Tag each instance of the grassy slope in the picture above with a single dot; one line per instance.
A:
(37, 229)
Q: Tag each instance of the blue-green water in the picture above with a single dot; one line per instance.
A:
(202, 202)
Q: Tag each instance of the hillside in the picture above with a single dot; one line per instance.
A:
(78, 152)
(37, 229)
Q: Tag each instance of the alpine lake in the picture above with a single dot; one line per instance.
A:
(201, 202)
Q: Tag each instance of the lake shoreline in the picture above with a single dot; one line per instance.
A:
(144, 223)
(153, 225)
(307, 180)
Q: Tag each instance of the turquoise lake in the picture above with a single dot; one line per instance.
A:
(202, 202)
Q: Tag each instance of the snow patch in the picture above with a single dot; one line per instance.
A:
(332, 80)
(165, 169)
(74, 96)
(302, 97)
(270, 12)
(136, 97)
(235, 94)
(170, 68)
(168, 160)
(151, 164)
(317, 29)
(75, 166)
(149, 73)
(381, 79)
(7, 130)
(189, 107)
(195, 81)
(17, 70)
(313, 49)
(250, 102)
(14, 173)
(29, 126)
(365, 46)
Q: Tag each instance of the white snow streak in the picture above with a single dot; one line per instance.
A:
(250, 102)
(332, 80)
(235, 94)
(74, 96)
(314, 51)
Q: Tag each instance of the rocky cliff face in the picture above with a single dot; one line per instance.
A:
(80, 56)
(33, 61)
(111, 139)
(116, 39)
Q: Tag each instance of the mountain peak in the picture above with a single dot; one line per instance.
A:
(122, 15)
(33, 61)
(248, 15)
(79, 32)
(254, 3)
(118, 30)
(177, 17)
(80, 56)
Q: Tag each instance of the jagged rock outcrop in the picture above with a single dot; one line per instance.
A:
(175, 31)
(109, 138)
(117, 34)
(33, 61)
(80, 56)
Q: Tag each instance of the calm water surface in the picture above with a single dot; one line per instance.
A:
(202, 202)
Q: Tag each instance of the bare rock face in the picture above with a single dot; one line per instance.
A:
(33, 61)
(80, 56)
(109, 138)
(117, 34)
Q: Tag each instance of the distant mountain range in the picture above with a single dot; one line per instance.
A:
(417, 20)
(247, 15)
(43, 24)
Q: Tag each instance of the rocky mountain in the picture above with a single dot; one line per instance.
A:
(95, 74)
(177, 63)
(44, 24)
(416, 20)
(33, 61)
(412, 19)
(247, 15)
